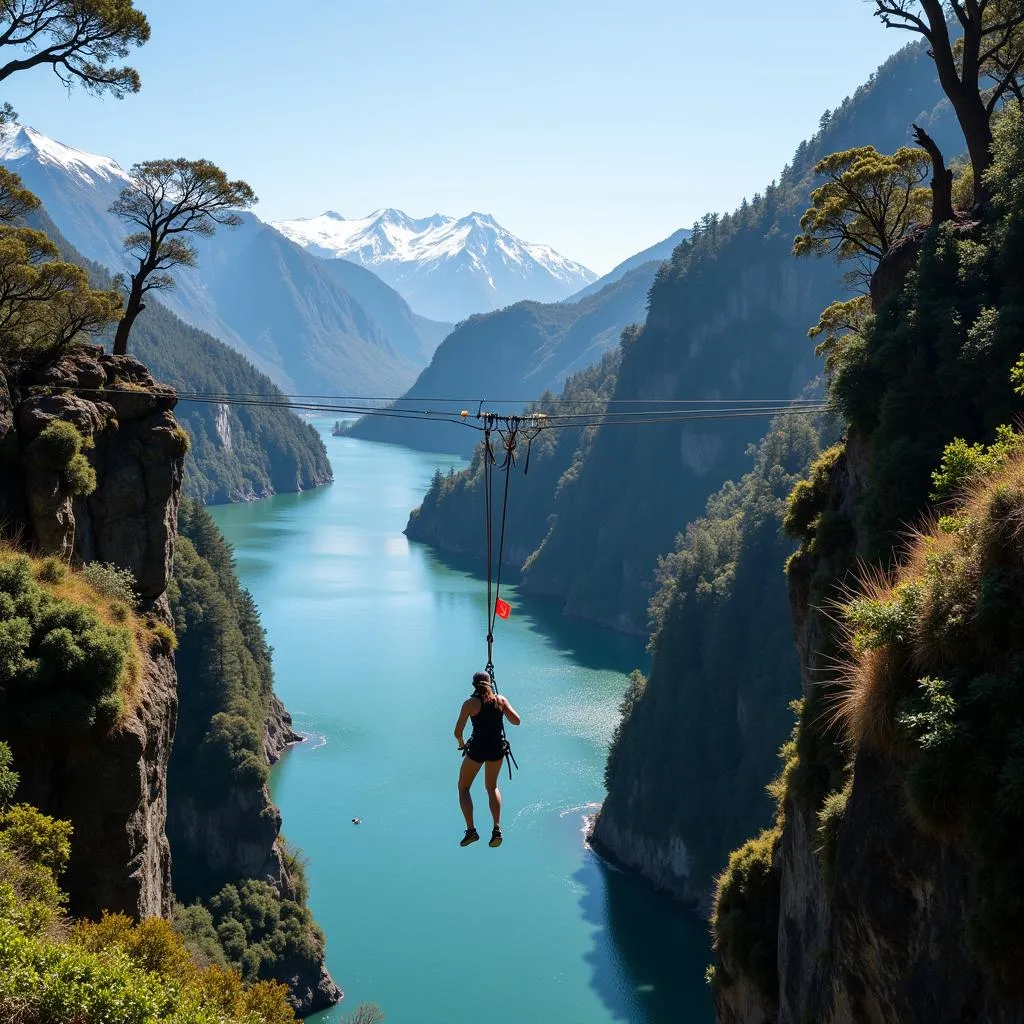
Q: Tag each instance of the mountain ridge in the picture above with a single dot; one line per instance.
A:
(300, 326)
(446, 268)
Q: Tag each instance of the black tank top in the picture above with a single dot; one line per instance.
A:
(487, 726)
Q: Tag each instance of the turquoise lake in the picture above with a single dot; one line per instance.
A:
(375, 641)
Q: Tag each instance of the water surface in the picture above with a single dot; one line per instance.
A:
(375, 640)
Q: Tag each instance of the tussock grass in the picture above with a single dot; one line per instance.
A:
(933, 679)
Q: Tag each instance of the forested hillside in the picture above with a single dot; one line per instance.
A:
(728, 319)
(514, 353)
(243, 888)
(451, 517)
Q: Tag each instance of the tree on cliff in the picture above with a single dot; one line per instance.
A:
(978, 70)
(166, 201)
(869, 201)
(80, 40)
(45, 302)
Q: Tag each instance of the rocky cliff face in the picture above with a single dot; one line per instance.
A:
(113, 788)
(879, 934)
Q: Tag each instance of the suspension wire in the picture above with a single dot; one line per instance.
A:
(640, 412)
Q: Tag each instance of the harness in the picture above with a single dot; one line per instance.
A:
(509, 431)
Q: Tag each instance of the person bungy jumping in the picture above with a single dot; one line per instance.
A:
(488, 711)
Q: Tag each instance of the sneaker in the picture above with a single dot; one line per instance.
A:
(471, 836)
(495, 837)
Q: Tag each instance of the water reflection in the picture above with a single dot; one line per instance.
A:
(645, 959)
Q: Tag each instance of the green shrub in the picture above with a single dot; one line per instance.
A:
(184, 441)
(47, 981)
(809, 497)
(8, 777)
(34, 851)
(963, 463)
(195, 926)
(163, 639)
(830, 817)
(57, 444)
(62, 667)
(745, 917)
(112, 581)
(259, 931)
(295, 864)
(60, 447)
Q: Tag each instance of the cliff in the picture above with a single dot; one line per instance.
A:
(888, 888)
(723, 669)
(112, 787)
(727, 320)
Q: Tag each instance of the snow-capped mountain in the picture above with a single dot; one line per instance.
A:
(445, 268)
(310, 326)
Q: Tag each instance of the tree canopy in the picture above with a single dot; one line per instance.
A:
(45, 301)
(166, 201)
(869, 201)
(82, 41)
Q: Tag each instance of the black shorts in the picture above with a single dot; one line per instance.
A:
(480, 755)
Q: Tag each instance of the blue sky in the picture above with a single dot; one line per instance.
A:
(597, 127)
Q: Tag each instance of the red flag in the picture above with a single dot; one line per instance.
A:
(502, 609)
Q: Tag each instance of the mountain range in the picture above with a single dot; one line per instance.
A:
(445, 268)
(522, 351)
(313, 326)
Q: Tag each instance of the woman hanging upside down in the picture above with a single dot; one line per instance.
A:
(486, 747)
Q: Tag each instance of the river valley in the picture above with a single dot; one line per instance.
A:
(375, 642)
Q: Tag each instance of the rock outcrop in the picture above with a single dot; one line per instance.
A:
(112, 787)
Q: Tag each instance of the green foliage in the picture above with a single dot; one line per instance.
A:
(46, 303)
(745, 918)
(963, 463)
(869, 202)
(263, 934)
(808, 499)
(116, 973)
(111, 581)
(34, 851)
(59, 447)
(223, 662)
(195, 926)
(830, 817)
(295, 865)
(955, 611)
(159, 230)
(8, 777)
(63, 666)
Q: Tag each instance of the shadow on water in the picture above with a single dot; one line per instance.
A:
(645, 949)
(588, 645)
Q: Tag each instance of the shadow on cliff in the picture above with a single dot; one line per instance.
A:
(586, 644)
(645, 949)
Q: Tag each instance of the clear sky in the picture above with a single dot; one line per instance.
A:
(597, 127)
